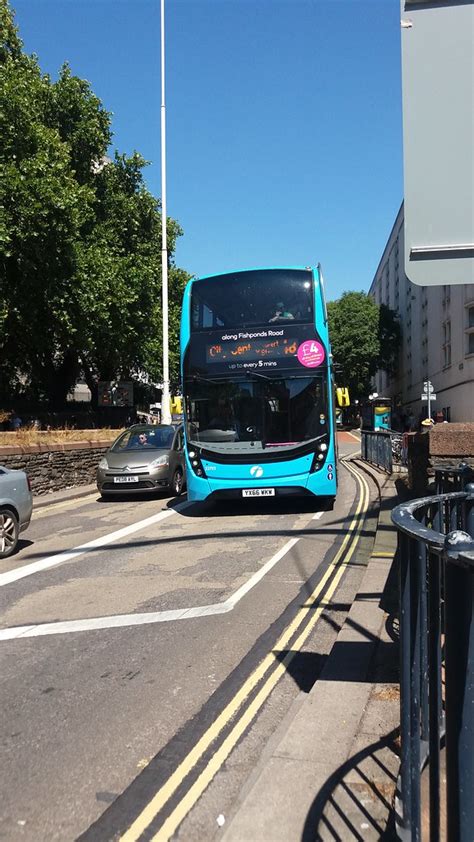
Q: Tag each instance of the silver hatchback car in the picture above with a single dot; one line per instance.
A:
(144, 458)
(16, 504)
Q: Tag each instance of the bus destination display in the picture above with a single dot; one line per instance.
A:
(251, 349)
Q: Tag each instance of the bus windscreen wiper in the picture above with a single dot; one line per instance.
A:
(207, 379)
(262, 376)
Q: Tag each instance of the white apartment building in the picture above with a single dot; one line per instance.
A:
(437, 325)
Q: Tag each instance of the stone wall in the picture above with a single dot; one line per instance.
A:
(443, 444)
(452, 443)
(56, 466)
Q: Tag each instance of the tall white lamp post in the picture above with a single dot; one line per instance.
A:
(165, 394)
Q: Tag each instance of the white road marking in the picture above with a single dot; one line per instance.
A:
(121, 620)
(317, 515)
(39, 511)
(357, 438)
(237, 596)
(53, 560)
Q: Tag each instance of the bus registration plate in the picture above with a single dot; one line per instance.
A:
(258, 492)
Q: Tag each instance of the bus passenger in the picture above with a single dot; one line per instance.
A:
(281, 313)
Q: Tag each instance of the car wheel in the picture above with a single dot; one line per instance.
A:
(177, 482)
(8, 532)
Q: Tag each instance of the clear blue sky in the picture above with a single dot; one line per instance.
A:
(284, 139)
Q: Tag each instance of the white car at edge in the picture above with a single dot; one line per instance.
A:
(16, 505)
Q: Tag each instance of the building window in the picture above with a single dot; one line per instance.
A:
(446, 344)
(446, 295)
(470, 329)
(470, 346)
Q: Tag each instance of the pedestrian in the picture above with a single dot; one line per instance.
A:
(15, 421)
(411, 421)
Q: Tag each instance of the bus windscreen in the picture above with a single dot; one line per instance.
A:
(257, 411)
(247, 299)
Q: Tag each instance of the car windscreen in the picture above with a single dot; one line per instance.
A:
(261, 412)
(245, 299)
(145, 438)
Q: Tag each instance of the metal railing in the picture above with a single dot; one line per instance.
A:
(436, 557)
(383, 448)
(452, 477)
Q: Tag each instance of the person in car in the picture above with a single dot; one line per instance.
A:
(142, 440)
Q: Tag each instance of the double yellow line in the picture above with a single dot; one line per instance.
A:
(271, 665)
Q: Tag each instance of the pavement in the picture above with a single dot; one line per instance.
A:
(330, 770)
(62, 496)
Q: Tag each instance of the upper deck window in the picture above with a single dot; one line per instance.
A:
(247, 299)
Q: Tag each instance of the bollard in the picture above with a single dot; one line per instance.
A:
(470, 509)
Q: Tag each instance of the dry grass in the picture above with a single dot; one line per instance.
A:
(25, 437)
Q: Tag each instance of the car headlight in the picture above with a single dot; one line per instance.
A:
(103, 464)
(162, 460)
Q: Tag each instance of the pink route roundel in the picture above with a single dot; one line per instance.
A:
(311, 353)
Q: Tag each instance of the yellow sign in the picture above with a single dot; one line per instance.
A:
(342, 396)
(176, 406)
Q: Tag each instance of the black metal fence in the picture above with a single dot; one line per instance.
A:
(452, 477)
(383, 448)
(436, 555)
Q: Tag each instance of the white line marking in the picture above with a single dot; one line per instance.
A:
(121, 620)
(62, 504)
(53, 560)
(317, 515)
(353, 435)
(237, 596)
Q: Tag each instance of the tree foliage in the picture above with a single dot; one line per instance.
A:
(80, 239)
(365, 337)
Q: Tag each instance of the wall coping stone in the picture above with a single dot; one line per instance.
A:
(455, 439)
(43, 447)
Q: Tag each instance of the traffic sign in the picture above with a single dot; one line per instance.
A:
(437, 140)
(431, 396)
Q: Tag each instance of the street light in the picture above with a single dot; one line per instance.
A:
(165, 394)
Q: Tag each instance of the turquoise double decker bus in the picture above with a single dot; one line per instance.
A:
(258, 385)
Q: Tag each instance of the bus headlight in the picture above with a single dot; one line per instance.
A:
(196, 463)
(319, 456)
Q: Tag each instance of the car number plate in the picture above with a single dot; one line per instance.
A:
(258, 492)
(125, 479)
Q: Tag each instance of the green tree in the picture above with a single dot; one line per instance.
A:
(43, 209)
(118, 280)
(80, 239)
(365, 337)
